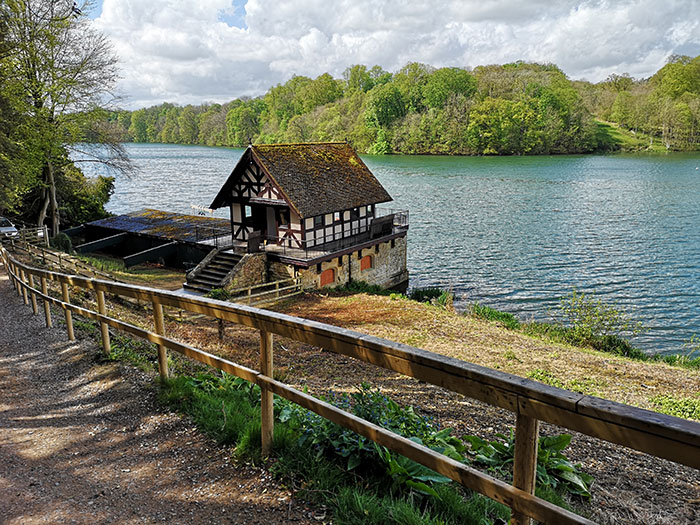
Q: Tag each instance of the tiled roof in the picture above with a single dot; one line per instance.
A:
(316, 178)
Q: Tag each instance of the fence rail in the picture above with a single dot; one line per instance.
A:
(657, 434)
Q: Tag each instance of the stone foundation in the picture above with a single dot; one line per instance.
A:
(383, 264)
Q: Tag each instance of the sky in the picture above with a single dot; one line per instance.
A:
(197, 51)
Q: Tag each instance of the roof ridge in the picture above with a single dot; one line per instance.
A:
(301, 143)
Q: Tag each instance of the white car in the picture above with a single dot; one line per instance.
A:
(7, 229)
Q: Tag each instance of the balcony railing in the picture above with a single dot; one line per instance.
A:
(385, 222)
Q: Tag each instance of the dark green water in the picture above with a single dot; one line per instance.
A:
(515, 233)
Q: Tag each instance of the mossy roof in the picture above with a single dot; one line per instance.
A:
(315, 178)
(163, 224)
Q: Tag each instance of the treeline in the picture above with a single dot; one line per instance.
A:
(518, 108)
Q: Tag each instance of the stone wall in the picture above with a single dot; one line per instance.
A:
(250, 270)
(387, 268)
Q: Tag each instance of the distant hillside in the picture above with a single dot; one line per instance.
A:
(518, 108)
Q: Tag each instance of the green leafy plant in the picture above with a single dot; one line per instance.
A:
(331, 440)
(554, 470)
(219, 294)
(685, 407)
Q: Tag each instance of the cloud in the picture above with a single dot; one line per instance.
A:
(185, 52)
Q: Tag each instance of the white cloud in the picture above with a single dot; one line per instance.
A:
(181, 51)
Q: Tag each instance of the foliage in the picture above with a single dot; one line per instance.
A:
(516, 108)
(362, 287)
(506, 319)
(592, 321)
(685, 407)
(58, 74)
(62, 242)
(219, 293)
(554, 470)
(328, 439)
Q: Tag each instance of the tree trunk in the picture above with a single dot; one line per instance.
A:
(44, 208)
(55, 216)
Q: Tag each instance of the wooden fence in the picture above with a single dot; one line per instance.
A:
(657, 434)
(266, 293)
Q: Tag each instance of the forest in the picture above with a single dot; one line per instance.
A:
(511, 109)
(58, 112)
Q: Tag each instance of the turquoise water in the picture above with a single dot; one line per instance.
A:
(515, 233)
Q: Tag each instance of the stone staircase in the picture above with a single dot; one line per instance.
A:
(212, 275)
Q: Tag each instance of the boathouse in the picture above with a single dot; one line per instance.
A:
(313, 210)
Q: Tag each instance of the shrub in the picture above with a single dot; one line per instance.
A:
(62, 242)
(593, 322)
(433, 295)
(219, 294)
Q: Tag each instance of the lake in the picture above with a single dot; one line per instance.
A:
(514, 233)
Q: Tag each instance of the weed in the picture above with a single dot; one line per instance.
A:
(685, 407)
(219, 294)
(592, 321)
(544, 376)
(554, 470)
(506, 319)
(511, 356)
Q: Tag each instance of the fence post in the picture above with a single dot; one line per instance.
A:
(69, 314)
(46, 235)
(159, 322)
(47, 307)
(15, 279)
(23, 278)
(527, 431)
(267, 421)
(31, 284)
(104, 328)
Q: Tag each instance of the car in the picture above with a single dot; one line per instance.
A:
(7, 229)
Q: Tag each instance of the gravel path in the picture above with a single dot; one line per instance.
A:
(85, 442)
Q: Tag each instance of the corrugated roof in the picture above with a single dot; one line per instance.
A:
(316, 178)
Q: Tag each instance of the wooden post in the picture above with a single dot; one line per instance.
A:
(267, 422)
(47, 307)
(31, 284)
(46, 235)
(277, 290)
(160, 330)
(23, 277)
(104, 328)
(69, 314)
(15, 279)
(527, 431)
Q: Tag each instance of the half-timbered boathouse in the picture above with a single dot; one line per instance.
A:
(312, 210)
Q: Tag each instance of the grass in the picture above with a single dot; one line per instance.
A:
(228, 409)
(612, 344)
(611, 137)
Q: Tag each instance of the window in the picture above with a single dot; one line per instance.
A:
(248, 211)
(318, 221)
(354, 214)
(328, 277)
(366, 263)
(336, 216)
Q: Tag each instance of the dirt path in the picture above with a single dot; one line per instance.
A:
(85, 442)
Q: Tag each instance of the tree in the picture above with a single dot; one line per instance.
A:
(65, 71)
(445, 83)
